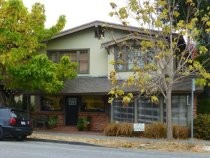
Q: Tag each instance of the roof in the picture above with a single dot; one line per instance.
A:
(102, 24)
(102, 85)
(131, 36)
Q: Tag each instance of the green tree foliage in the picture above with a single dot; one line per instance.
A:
(201, 9)
(173, 59)
(22, 37)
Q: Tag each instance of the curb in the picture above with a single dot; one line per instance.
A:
(62, 142)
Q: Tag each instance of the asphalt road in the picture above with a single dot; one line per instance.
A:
(33, 149)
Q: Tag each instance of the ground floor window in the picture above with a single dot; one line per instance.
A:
(93, 104)
(147, 112)
(179, 109)
(51, 103)
(123, 113)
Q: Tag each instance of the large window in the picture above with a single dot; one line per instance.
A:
(51, 103)
(93, 104)
(79, 56)
(123, 113)
(179, 108)
(148, 111)
(128, 58)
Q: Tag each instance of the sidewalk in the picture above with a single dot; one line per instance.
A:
(97, 138)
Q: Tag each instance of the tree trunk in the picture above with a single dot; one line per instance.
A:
(169, 114)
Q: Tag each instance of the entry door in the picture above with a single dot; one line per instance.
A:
(71, 110)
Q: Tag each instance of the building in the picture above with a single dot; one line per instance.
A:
(92, 46)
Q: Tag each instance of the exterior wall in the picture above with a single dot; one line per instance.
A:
(99, 60)
(38, 115)
(98, 120)
(85, 40)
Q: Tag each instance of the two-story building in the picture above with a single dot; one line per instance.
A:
(91, 46)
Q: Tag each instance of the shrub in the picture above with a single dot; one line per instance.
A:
(124, 129)
(111, 129)
(83, 124)
(202, 126)
(80, 124)
(52, 121)
(118, 129)
(155, 130)
(180, 132)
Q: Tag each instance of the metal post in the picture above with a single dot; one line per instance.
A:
(135, 111)
(192, 104)
(112, 112)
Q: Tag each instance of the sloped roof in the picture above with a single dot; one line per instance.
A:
(131, 36)
(102, 24)
(96, 85)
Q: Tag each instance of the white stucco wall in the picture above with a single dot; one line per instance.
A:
(85, 40)
(99, 58)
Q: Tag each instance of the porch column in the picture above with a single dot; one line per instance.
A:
(112, 113)
(136, 111)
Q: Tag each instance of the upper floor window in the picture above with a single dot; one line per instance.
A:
(128, 58)
(79, 56)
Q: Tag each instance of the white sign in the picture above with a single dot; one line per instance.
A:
(138, 126)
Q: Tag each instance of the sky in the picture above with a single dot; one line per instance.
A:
(77, 12)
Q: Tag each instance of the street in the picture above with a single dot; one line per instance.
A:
(33, 149)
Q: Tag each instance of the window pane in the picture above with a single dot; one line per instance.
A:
(93, 104)
(53, 56)
(83, 67)
(148, 111)
(123, 113)
(79, 56)
(51, 103)
(83, 61)
(73, 56)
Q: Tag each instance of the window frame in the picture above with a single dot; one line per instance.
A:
(124, 54)
(77, 51)
(103, 98)
(42, 98)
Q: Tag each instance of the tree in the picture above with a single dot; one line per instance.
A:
(172, 59)
(23, 37)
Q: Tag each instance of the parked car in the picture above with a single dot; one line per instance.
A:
(14, 123)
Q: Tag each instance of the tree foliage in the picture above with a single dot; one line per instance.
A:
(173, 57)
(23, 37)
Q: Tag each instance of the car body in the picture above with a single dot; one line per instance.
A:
(14, 123)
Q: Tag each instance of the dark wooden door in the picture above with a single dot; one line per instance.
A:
(71, 110)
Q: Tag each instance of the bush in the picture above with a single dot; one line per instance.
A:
(180, 132)
(203, 105)
(119, 129)
(111, 129)
(155, 130)
(52, 121)
(83, 124)
(125, 129)
(202, 126)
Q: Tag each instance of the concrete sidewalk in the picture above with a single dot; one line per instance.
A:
(97, 138)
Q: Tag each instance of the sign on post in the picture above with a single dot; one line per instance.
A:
(138, 127)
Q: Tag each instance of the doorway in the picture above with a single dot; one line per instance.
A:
(71, 110)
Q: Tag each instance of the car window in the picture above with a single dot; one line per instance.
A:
(19, 114)
(4, 113)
